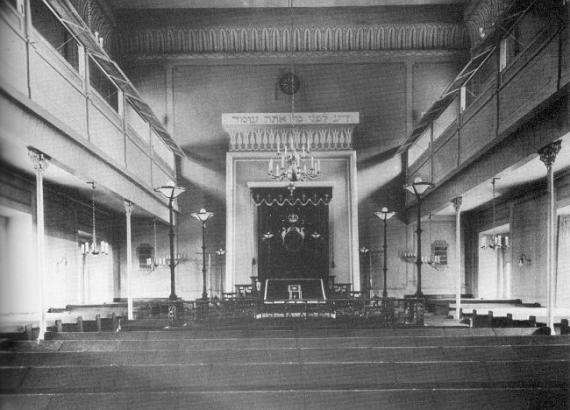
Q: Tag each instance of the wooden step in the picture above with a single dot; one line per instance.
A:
(194, 344)
(202, 333)
(507, 374)
(442, 399)
(286, 355)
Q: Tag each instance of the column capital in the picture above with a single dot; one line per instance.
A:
(128, 207)
(457, 201)
(40, 161)
(549, 152)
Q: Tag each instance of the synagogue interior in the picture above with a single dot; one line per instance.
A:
(278, 167)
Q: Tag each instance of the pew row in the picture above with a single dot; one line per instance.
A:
(501, 316)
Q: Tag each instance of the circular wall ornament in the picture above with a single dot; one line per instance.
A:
(289, 83)
(293, 238)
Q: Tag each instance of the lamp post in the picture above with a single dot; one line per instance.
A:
(418, 187)
(384, 215)
(368, 279)
(171, 192)
(220, 253)
(203, 217)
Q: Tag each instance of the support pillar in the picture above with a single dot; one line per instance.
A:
(457, 205)
(40, 163)
(548, 156)
(419, 293)
(128, 211)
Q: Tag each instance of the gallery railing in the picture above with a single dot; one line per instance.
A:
(376, 311)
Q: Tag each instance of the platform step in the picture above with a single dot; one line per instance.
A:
(508, 374)
(515, 398)
(325, 354)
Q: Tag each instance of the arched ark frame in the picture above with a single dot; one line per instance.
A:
(248, 170)
(292, 233)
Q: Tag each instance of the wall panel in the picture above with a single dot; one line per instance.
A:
(445, 159)
(105, 132)
(12, 44)
(58, 92)
(159, 177)
(138, 162)
(139, 126)
(534, 83)
(478, 131)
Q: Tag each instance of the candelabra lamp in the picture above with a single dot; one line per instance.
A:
(384, 215)
(171, 192)
(367, 287)
(202, 304)
(220, 253)
(203, 217)
(418, 187)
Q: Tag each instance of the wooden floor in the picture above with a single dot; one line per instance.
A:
(288, 364)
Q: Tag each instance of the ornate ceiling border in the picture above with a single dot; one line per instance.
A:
(315, 56)
(330, 131)
(172, 41)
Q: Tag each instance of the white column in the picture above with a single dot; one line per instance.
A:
(457, 205)
(128, 211)
(40, 163)
(548, 156)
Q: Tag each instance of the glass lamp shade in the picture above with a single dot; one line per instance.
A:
(203, 215)
(170, 191)
(384, 214)
(418, 187)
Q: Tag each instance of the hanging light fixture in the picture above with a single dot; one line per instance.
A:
(293, 161)
(494, 241)
(94, 248)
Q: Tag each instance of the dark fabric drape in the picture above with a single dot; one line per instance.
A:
(293, 237)
(300, 196)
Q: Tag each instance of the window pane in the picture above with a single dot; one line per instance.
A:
(101, 83)
(47, 24)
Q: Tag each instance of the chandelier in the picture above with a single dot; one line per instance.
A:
(433, 260)
(94, 248)
(292, 162)
(494, 241)
(152, 261)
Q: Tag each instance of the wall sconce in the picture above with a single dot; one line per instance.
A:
(524, 260)
(62, 261)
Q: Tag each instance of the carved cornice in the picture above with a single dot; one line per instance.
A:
(267, 131)
(272, 58)
(424, 36)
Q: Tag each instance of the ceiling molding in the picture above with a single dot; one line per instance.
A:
(325, 131)
(317, 57)
(361, 38)
(231, 4)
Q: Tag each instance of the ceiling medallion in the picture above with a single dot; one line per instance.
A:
(289, 83)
